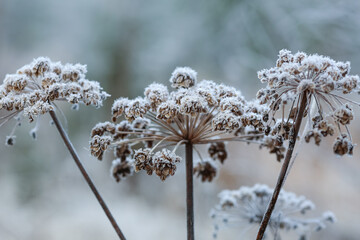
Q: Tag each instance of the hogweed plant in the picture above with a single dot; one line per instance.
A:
(34, 90)
(300, 88)
(156, 125)
(312, 85)
(244, 208)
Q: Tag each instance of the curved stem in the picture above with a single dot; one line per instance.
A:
(281, 179)
(189, 191)
(85, 174)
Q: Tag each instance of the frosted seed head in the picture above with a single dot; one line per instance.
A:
(122, 151)
(136, 108)
(343, 145)
(344, 114)
(122, 130)
(98, 145)
(143, 160)
(164, 163)
(206, 170)
(118, 107)
(121, 169)
(156, 94)
(167, 110)
(183, 77)
(102, 128)
(192, 105)
(217, 151)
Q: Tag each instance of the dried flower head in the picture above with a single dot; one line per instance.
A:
(320, 81)
(120, 169)
(247, 206)
(183, 77)
(34, 88)
(195, 113)
(206, 170)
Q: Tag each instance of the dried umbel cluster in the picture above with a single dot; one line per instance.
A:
(34, 88)
(247, 205)
(321, 81)
(196, 113)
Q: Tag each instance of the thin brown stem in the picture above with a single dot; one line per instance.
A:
(85, 174)
(189, 191)
(284, 169)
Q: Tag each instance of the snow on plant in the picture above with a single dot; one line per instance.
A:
(247, 205)
(33, 91)
(34, 88)
(321, 81)
(312, 87)
(196, 113)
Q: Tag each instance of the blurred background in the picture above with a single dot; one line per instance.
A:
(129, 44)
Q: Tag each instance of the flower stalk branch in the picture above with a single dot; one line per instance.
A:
(284, 169)
(189, 191)
(86, 176)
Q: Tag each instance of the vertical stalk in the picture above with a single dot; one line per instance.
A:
(189, 191)
(85, 174)
(293, 135)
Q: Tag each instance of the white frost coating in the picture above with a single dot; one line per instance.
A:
(35, 85)
(156, 94)
(183, 77)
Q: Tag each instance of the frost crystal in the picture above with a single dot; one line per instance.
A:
(247, 205)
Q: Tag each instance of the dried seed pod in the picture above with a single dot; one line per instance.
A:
(206, 170)
(217, 151)
(122, 169)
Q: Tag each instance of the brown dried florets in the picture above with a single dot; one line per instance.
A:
(156, 94)
(122, 151)
(318, 80)
(196, 113)
(120, 169)
(167, 111)
(344, 114)
(98, 145)
(143, 160)
(164, 163)
(217, 151)
(313, 134)
(183, 77)
(275, 145)
(122, 130)
(343, 145)
(226, 121)
(34, 88)
(101, 128)
(206, 170)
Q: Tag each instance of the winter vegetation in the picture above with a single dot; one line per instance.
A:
(189, 158)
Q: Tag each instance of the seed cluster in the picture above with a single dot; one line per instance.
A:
(247, 205)
(322, 81)
(35, 87)
(195, 112)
